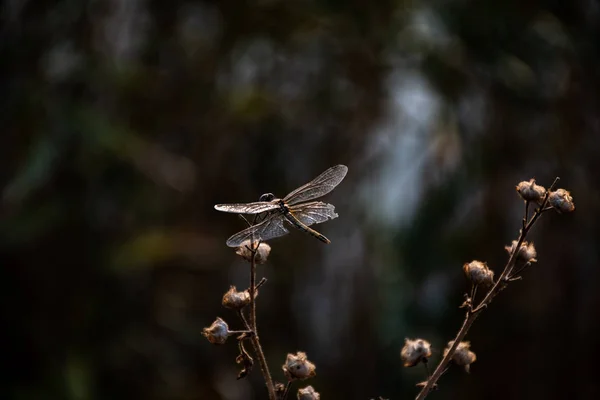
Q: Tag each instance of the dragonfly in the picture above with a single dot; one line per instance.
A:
(294, 210)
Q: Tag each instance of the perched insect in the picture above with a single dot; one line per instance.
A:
(295, 209)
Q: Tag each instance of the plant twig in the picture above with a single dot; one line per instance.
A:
(286, 391)
(515, 275)
(247, 332)
(473, 313)
(255, 340)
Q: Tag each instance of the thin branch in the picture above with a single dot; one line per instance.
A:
(500, 284)
(473, 293)
(244, 320)
(248, 332)
(426, 368)
(526, 217)
(255, 340)
(515, 275)
(441, 368)
(260, 283)
(254, 249)
(251, 326)
(286, 391)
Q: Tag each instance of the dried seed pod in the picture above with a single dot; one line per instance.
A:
(529, 191)
(415, 351)
(237, 300)
(526, 253)
(297, 366)
(262, 253)
(217, 333)
(308, 393)
(463, 355)
(561, 200)
(479, 273)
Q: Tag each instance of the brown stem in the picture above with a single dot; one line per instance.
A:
(426, 368)
(286, 391)
(253, 285)
(472, 314)
(516, 274)
(441, 367)
(231, 333)
(244, 320)
(255, 340)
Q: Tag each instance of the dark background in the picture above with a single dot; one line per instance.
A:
(124, 121)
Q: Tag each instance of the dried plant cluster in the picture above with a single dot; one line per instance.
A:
(296, 367)
(521, 255)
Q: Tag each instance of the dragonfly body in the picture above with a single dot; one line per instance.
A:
(291, 218)
(284, 209)
(295, 209)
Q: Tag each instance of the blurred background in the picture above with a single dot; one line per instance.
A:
(125, 121)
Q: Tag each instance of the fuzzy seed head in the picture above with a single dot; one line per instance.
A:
(562, 201)
(415, 351)
(463, 355)
(237, 300)
(262, 253)
(526, 253)
(217, 333)
(297, 366)
(529, 191)
(308, 393)
(479, 273)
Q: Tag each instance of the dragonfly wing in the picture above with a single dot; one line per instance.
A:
(270, 228)
(247, 208)
(314, 212)
(319, 186)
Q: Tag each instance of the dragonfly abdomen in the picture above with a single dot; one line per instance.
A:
(294, 221)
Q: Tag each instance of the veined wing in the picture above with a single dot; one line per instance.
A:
(314, 212)
(270, 228)
(247, 208)
(319, 186)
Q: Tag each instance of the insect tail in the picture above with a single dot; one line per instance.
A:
(293, 220)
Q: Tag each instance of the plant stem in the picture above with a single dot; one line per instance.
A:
(500, 284)
(255, 340)
(231, 333)
(286, 391)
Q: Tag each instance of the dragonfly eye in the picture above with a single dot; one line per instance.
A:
(267, 197)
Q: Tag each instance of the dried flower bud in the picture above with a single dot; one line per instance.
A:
(262, 253)
(527, 252)
(463, 355)
(479, 273)
(561, 200)
(237, 300)
(308, 393)
(217, 333)
(297, 366)
(415, 351)
(529, 191)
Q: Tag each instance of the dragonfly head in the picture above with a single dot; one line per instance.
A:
(267, 197)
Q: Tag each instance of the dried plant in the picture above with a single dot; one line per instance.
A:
(522, 255)
(272, 216)
(244, 304)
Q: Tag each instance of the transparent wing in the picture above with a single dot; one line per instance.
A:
(319, 186)
(314, 212)
(270, 228)
(247, 208)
